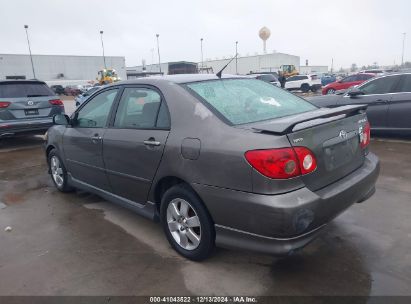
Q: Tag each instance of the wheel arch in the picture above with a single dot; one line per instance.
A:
(166, 183)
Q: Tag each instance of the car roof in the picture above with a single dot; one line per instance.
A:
(180, 78)
(14, 81)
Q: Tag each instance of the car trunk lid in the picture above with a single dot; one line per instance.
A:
(333, 135)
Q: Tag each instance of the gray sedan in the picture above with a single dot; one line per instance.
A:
(27, 106)
(230, 161)
(388, 99)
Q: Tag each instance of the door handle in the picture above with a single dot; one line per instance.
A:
(96, 138)
(381, 101)
(151, 142)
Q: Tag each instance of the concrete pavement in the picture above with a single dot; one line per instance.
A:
(78, 244)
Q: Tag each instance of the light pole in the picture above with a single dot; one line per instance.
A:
(236, 63)
(201, 44)
(158, 51)
(31, 57)
(102, 46)
(403, 45)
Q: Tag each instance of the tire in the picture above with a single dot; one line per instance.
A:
(187, 223)
(314, 89)
(330, 92)
(58, 172)
(305, 87)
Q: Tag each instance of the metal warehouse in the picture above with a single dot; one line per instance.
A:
(61, 69)
(246, 64)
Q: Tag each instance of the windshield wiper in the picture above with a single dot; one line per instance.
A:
(38, 95)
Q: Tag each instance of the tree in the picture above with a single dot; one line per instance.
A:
(354, 67)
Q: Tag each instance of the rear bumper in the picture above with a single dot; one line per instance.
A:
(24, 126)
(278, 224)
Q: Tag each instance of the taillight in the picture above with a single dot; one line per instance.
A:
(56, 102)
(306, 159)
(4, 104)
(282, 163)
(365, 137)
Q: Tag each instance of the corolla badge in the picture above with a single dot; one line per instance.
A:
(343, 134)
(30, 102)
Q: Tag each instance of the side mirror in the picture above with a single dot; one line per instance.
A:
(355, 92)
(61, 119)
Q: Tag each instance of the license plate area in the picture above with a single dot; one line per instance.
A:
(30, 112)
(337, 154)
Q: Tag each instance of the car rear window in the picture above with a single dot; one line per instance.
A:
(242, 101)
(16, 90)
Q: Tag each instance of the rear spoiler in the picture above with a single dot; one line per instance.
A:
(286, 124)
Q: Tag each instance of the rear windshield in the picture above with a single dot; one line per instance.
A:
(16, 90)
(243, 101)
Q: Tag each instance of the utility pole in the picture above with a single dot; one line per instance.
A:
(102, 46)
(332, 65)
(158, 51)
(202, 60)
(236, 61)
(28, 42)
(403, 46)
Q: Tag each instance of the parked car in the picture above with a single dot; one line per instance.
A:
(73, 90)
(388, 98)
(79, 99)
(57, 89)
(231, 161)
(346, 83)
(270, 78)
(327, 78)
(304, 83)
(376, 72)
(27, 106)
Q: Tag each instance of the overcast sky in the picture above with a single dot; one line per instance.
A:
(361, 31)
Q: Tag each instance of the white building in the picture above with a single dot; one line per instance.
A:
(59, 69)
(312, 69)
(257, 63)
(246, 64)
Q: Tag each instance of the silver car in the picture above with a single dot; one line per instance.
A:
(79, 99)
(231, 161)
(27, 106)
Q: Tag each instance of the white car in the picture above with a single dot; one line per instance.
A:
(304, 83)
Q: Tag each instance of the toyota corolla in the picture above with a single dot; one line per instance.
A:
(227, 161)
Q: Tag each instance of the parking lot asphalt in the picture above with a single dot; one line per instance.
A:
(79, 244)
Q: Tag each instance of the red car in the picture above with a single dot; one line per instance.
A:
(346, 83)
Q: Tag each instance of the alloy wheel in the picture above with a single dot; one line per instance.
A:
(56, 171)
(183, 224)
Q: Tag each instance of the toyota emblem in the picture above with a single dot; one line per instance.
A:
(30, 102)
(343, 134)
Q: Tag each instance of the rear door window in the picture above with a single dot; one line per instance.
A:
(16, 90)
(405, 84)
(242, 101)
(140, 108)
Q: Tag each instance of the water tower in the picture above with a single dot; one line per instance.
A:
(264, 34)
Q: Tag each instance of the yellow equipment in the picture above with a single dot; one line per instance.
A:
(288, 70)
(106, 76)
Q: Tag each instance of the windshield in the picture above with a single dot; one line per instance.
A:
(16, 90)
(243, 101)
